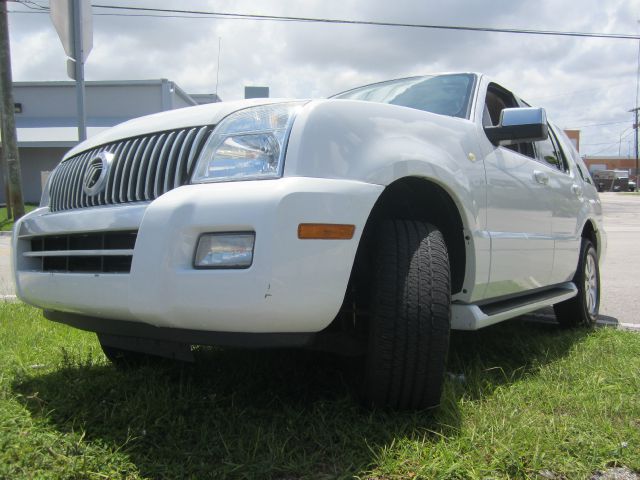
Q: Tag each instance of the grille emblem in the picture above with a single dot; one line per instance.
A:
(95, 176)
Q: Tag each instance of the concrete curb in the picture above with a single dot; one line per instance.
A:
(5, 234)
(9, 298)
(608, 322)
(629, 326)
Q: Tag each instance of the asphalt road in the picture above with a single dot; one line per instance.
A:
(620, 273)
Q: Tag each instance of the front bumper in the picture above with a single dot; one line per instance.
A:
(293, 285)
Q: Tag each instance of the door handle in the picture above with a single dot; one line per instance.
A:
(577, 190)
(541, 177)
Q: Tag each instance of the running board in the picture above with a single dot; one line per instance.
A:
(474, 317)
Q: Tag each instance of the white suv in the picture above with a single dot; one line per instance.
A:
(368, 224)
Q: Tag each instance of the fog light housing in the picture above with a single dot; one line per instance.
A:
(225, 250)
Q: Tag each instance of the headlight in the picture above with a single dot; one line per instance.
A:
(247, 145)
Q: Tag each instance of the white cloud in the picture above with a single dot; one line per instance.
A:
(581, 81)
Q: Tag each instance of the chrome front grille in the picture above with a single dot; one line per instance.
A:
(143, 168)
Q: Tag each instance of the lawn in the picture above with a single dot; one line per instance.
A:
(521, 401)
(6, 224)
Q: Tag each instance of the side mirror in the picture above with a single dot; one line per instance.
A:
(519, 125)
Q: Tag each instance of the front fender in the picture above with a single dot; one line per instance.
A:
(380, 143)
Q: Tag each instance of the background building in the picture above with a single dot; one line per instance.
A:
(46, 118)
(603, 162)
(610, 162)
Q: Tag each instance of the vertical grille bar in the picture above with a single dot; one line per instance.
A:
(135, 170)
(179, 176)
(151, 168)
(67, 183)
(92, 200)
(171, 162)
(105, 195)
(117, 168)
(162, 164)
(126, 170)
(80, 179)
(195, 149)
(142, 172)
(54, 185)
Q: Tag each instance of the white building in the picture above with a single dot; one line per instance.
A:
(46, 118)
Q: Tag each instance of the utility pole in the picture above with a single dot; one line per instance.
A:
(635, 128)
(635, 111)
(10, 141)
(4, 168)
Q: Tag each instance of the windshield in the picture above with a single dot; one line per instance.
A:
(443, 94)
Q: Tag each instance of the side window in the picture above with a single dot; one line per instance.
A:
(498, 99)
(585, 176)
(548, 152)
(571, 153)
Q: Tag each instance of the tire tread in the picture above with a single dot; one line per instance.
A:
(409, 335)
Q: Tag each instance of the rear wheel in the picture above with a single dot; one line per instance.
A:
(583, 308)
(409, 326)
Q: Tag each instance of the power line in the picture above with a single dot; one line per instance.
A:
(246, 16)
(605, 143)
(579, 92)
(599, 151)
(31, 5)
(134, 15)
(597, 125)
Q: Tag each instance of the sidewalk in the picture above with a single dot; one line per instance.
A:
(6, 278)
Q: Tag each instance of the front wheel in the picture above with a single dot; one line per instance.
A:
(583, 308)
(409, 325)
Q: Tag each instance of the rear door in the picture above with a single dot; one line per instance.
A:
(566, 185)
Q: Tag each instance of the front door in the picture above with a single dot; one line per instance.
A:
(519, 210)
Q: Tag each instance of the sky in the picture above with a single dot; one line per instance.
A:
(584, 83)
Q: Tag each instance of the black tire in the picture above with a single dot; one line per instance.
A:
(409, 326)
(582, 310)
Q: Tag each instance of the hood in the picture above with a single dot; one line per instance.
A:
(209, 114)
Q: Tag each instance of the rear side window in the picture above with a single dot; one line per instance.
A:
(549, 152)
(573, 154)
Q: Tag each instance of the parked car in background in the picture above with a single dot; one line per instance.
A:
(613, 181)
(368, 224)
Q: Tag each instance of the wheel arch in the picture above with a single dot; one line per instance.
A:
(589, 232)
(593, 231)
(419, 198)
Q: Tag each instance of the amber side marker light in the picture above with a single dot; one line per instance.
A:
(325, 231)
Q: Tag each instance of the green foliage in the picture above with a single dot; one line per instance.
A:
(521, 399)
(6, 224)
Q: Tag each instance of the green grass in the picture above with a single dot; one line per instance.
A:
(6, 224)
(533, 398)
